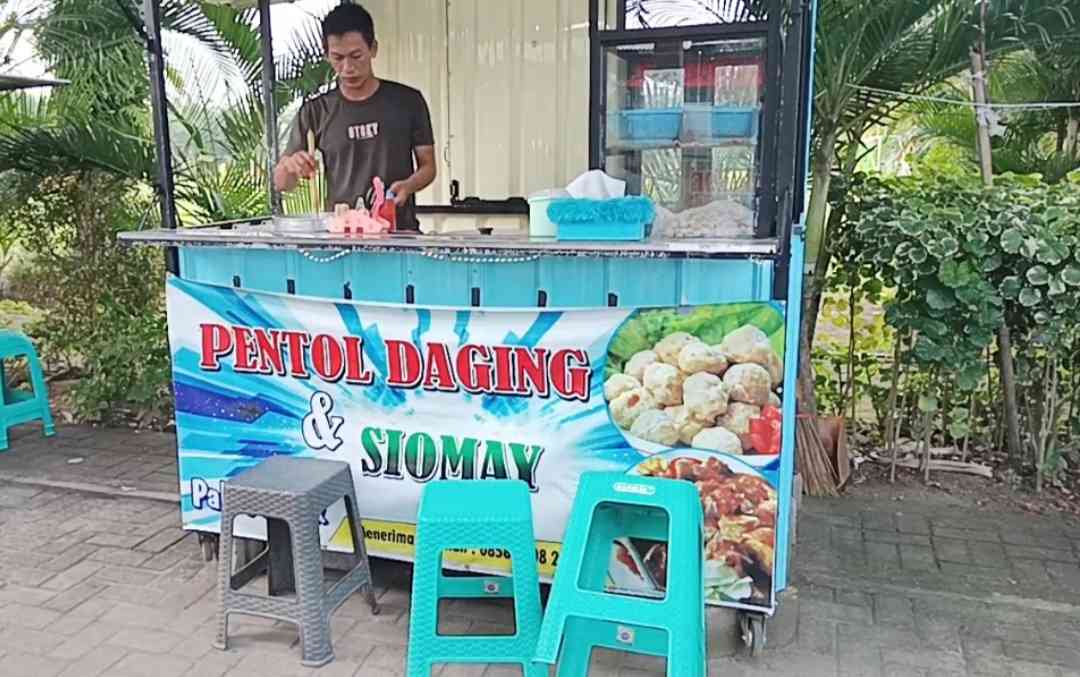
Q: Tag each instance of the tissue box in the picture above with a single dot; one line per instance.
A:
(622, 218)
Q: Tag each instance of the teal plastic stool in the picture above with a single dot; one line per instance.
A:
(465, 515)
(19, 407)
(581, 616)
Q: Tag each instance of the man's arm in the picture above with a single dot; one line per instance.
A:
(295, 163)
(423, 177)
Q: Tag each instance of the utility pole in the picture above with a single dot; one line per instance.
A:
(980, 74)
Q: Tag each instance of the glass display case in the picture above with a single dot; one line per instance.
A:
(686, 108)
(682, 124)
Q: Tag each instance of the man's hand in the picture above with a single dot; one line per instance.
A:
(292, 168)
(301, 164)
(402, 192)
(421, 178)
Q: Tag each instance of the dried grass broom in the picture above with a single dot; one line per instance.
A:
(812, 458)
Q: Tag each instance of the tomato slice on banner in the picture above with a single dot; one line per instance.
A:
(766, 431)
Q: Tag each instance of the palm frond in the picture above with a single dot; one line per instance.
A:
(77, 147)
(239, 35)
(217, 191)
(908, 46)
(303, 69)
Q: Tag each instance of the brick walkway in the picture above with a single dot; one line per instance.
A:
(99, 584)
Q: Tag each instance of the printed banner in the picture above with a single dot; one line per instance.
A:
(410, 395)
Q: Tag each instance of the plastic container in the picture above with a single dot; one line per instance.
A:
(650, 124)
(601, 231)
(302, 223)
(540, 226)
(703, 123)
(615, 219)
(389, 211)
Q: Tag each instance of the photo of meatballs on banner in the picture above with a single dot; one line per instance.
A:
(708, 379)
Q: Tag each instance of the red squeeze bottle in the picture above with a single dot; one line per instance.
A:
(388, 211)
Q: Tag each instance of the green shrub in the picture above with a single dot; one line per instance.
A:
(963, 260)
(102, 304)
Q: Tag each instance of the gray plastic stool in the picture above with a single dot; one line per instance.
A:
(291, 493)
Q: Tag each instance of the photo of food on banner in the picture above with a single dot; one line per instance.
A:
(698, 394)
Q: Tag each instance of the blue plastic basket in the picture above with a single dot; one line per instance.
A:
(650, 124)
(719, 122)
(621, 219)
(600, 231)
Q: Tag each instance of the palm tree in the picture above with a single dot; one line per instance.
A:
(1036, 141)
(101, 123)
(870, 54)
(77, 165)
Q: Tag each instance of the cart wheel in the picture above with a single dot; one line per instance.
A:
(752, 630)
(757, 632)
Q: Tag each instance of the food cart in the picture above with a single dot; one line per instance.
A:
(476, 351)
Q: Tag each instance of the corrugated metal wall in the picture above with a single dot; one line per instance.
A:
(412, 50)
(507, 83)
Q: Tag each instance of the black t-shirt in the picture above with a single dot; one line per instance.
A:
(360, 140)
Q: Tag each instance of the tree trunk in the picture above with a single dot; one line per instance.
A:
(980, 77)
(1071, 143)
(890, 408)
(1008, 390)
(821, 178)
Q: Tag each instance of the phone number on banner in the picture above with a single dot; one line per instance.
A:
(397, 540)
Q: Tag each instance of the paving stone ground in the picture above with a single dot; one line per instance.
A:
(99, 583)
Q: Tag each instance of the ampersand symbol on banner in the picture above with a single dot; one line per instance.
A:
(320, 428)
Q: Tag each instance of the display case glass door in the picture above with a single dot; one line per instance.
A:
(682, 122)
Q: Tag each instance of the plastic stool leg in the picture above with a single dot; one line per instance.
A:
(225, 563)
(423, 619)
(314, 621)
(361, 550)
(3, 400)
(41, 394)
(526, 585)
(681, 665)
(574, 661)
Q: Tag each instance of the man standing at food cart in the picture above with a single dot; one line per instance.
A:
(365, 128)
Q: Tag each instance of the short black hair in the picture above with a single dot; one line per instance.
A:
(348, 18)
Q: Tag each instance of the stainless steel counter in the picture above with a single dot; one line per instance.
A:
(513, 244)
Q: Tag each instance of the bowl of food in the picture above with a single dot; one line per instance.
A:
(710, 379)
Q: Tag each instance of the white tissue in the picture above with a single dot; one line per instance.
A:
(596, 185)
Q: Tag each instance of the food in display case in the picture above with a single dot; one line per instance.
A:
(720, 219)
(683, 125)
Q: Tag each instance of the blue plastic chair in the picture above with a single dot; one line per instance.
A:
(463, 515)
(581, 615)
(18, 406)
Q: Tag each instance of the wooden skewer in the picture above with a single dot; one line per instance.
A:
(315, 207)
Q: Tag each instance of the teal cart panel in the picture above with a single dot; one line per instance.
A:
(555, 282)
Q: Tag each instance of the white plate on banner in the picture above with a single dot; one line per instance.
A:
(723, 584)
(649, 449)
(738, 464)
